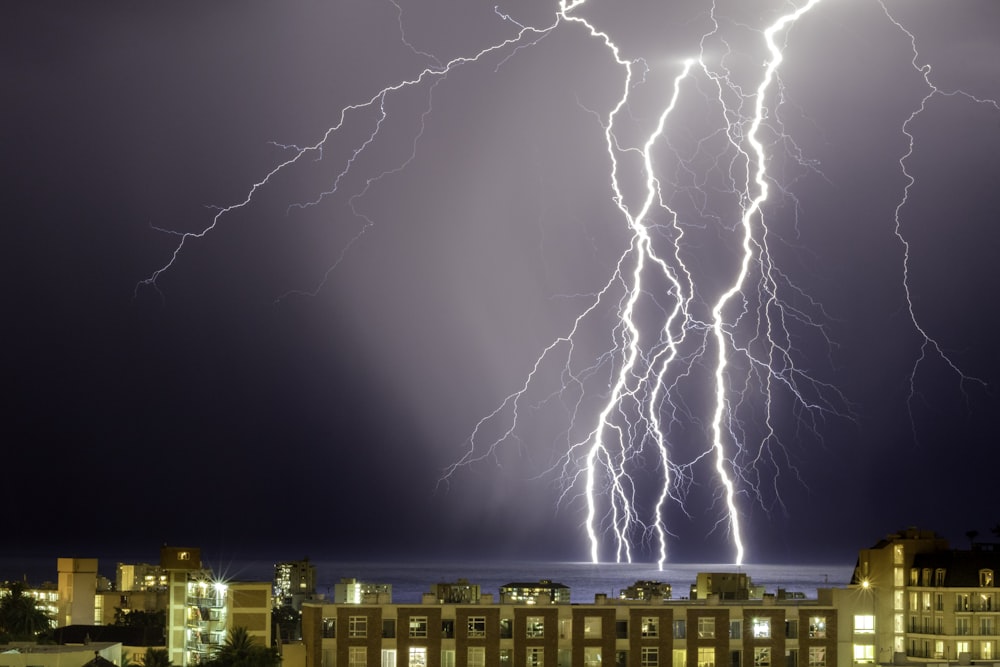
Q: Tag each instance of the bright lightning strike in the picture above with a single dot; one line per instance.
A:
(700, 360)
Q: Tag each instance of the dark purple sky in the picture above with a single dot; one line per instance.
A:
(226, 409)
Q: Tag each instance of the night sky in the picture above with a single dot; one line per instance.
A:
(255, 402)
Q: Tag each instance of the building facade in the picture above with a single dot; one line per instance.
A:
(688, 633)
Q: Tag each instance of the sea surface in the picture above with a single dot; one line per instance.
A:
(411, 580)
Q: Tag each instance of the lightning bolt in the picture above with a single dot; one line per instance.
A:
(929, 346)
(640, 425)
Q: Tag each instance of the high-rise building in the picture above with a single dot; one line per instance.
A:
(294, 582)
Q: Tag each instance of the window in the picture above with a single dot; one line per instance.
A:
(927, 601)
(591, 626)
(329, 628)
(898, 577)
(357, 627)
(448, 628)
(735, 629)
(986, 578)
(939, 577)
(761, 628)
(357, 656)
(939, 649)
(389, 628)
(963, 647)
(897, 600)
(899, 625)
(986, 602)
(650, 626)
(925, 577)
(418, 656)
(817, 656)
(986, 650)
(762, 656)
(506, 629)
(939, 602)
(914, 601)
(706, 630)
(621, 629)
(535, 655)
(706, 656)
(477, 656)
(914, 576)
(864, 653)
(897, 554)
(506, 657)
(477, 626)
(864, 623)
(535, 628)
(418, 627)
(388, 658)
(791, 629)
(962, 624)
(649, 657)
(680, 630)
(447, 658)
(591, 656)
(817, 627)
(962, 602)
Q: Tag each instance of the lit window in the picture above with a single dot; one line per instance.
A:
(817, 627)
(986, 650)
(762, 656)
(761, 628)
(650, 626)
(706, 629)
(357, 626)
(418, 656)
(864, 623)
(591, 656)
(534, 657)
(962, 602)
(535, 627)
(329, 628)
(418, 627)
(706, 656)
(986, 578)
(591, 626)
(963, 647)
(817, 656)
(477, 626)
(477, 656)
(864, 653)
(357, 656)
(897, 554)
(649, 657)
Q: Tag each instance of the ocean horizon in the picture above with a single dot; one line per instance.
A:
(410, 580)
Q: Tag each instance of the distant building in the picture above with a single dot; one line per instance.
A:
(646, 591)
(352, 591)
(77, 588)
(50, 655)
(140, 577)
(543, 591)
(460, 591)
(294, 582)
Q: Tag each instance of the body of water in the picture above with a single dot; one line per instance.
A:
(411, 580)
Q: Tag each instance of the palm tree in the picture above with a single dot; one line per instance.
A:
(20, 618)
(156, 657)
(240, 650)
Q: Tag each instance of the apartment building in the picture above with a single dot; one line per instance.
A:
(682, 633)
(930, 603)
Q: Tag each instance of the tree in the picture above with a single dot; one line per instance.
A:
(20, 617)
(156, 657)
(240, 650)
